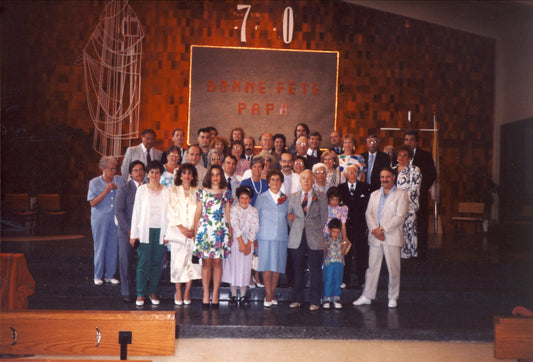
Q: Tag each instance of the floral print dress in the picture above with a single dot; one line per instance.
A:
(409, 180)
(212, 235)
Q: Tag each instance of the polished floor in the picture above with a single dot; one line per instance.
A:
(453, 295)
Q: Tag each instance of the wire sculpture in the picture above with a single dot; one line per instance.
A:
(112, 67)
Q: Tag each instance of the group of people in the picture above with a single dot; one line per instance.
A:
(224, 213)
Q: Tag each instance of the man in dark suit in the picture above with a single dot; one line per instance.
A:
(375, 161)
(424, 160)
(301, 130)
(123, 211)
(336, 142)
(355, 195)
(307, 215)
(313, 152)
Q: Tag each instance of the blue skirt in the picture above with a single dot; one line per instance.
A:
(272, 255)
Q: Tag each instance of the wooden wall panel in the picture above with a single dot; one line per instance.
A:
(389, 65)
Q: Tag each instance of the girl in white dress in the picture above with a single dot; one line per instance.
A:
(237, 268)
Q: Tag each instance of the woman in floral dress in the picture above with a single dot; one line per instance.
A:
(212, 230)
(409, 180)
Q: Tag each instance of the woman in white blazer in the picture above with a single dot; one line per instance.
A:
(148, 226)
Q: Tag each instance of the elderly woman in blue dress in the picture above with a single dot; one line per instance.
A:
(101, 197)
(409, 179)
(273, 235)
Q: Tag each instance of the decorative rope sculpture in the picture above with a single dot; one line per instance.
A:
(112, 65)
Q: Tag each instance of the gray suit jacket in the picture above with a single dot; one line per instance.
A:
(311, 223)
(124, 205)
(134, 153)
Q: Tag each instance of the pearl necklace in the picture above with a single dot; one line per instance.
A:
(260, 187)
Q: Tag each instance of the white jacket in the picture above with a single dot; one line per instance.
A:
(140, 218)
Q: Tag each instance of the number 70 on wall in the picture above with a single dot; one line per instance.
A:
(287, 25)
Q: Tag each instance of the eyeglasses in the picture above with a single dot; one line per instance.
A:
(320, 172)
(299, 163)
(173, 155)
(372, 142)
(215, 158)
(302, 144)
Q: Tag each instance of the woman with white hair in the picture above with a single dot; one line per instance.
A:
(320, 172)
(101, 197)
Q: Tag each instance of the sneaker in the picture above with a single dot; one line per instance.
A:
(295, 305)
(393, 303)
(362, 301)
(337, 305)
(154, 299)
(98, 281)
(326, 305)
(139, 302)
(274, 302)
(113, 281)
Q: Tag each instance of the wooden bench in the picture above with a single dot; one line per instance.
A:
(470, 212)
(513, 337)
(153, 333)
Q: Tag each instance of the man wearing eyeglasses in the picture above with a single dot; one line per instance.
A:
(375, 160)
(301, 147)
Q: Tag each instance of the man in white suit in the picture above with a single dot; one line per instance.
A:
(385, 215)
(144, 152)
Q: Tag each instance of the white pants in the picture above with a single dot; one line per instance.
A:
(375, 257)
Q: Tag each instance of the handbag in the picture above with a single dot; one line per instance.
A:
(174, 234)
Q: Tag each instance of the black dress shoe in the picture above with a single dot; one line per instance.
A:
(243, 302)
(233, 301)
(205, 305)
(125, 298)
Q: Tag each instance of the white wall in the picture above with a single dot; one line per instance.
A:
(510, 23)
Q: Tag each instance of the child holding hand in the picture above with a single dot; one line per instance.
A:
(335, 248)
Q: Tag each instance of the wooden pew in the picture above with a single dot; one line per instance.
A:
(153, 333)
(513, 337)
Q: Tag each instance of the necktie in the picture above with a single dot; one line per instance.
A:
(370, 164)
(352, 189)
(229, 183)
(148, 157)
(338, 150)
(304, 203)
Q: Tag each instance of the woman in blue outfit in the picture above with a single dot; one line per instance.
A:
(273, 235)
(257, 184)
(101, 197)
